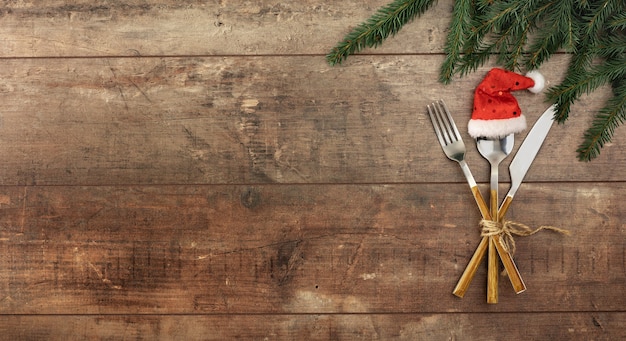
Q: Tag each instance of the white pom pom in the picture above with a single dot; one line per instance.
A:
(540, 81)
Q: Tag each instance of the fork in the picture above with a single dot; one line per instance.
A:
(454, 148)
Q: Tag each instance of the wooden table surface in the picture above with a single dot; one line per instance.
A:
(195, 170)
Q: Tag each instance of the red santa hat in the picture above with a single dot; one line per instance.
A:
(496, 112)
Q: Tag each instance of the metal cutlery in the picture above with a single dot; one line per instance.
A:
(454, 148)
(494, 150)
(526, 154)
(518, 169)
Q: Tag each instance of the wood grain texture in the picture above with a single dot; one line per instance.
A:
(570, 326)
(194, 170)
(253, 120)
(64, 28)
(297, 249)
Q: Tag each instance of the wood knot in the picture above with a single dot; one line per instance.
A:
(250, 198)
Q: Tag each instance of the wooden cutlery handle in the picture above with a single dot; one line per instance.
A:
(509, 265)
(505, 206)
(505, 256)
(493, 204)
(470, 269)
(492, 273)
(482, 205)
(481, 250)
(493, 266)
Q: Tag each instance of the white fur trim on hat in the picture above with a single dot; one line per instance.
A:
(496, 129)
(540, 81)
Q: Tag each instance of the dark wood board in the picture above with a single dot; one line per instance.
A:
(255, 120)
(195, 170)
(61, 28)
(557, 326)
(298, 249)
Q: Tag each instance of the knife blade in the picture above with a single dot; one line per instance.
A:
(526, 155)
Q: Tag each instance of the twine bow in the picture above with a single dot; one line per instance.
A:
(507, 229)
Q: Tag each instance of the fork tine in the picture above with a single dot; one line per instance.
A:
(435, 122)
(443, 123)
(457, 135)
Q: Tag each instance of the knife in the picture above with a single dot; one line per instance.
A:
(526, 154)
(518, 169)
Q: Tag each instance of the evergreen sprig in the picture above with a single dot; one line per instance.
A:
(525, 34)
(387, 21)
(604, 124)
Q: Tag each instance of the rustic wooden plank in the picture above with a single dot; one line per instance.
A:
(556, 326)
(298, 249)
(191, 27)
(247, 190)
(254, 120)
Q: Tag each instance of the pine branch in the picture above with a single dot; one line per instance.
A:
(483, 42)
(581, 76)
(611, 45)
(577, 84)
(599, 15)
(577, 73)
(543, 47)
(618, 22)
(568, 91)
(603, 126)
(549, 40)
(517, 35)
(503, 28)
(387, 21)
(569, 25)
(461, 23)
(613, 69)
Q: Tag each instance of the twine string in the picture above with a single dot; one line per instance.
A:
(507, 229)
